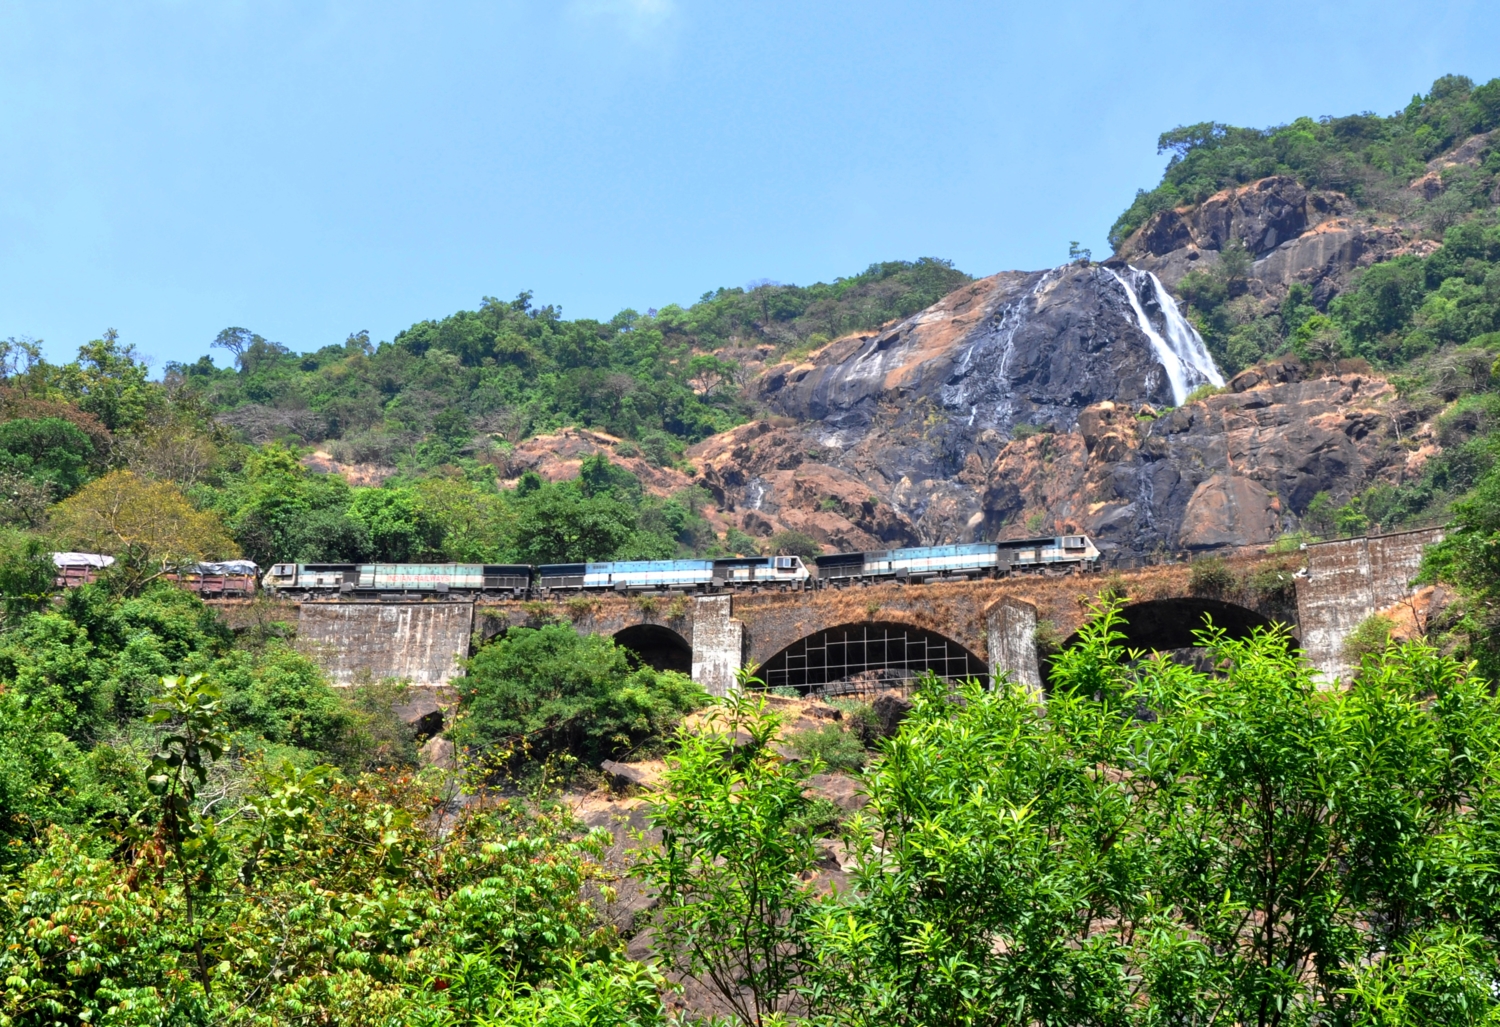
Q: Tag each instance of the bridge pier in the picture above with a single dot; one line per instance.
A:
(1348, 580)
(718, 644)
(1010, 626)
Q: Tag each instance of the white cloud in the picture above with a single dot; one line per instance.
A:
(639, 21)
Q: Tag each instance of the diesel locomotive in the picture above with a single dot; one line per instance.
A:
(966, 560)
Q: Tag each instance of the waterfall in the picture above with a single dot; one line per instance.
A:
(1181, 352)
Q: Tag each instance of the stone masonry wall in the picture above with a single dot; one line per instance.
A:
(423, 643)
(1346, 582)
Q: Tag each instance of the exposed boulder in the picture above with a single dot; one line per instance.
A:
(843, 791)
(438, 752)
(1229, 510)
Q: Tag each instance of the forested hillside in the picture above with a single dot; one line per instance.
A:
(509, 370)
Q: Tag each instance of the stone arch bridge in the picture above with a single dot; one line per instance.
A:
(879, 633)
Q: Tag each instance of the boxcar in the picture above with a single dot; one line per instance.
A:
(74, 569)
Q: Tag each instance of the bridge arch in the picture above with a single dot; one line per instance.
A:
(656, 646)
(869, 654)
(1165, 625)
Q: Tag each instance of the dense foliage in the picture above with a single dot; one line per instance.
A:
(549, 692)
(1366, 156)
(1155, 845)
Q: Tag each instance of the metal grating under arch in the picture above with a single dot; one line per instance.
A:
(868, 657)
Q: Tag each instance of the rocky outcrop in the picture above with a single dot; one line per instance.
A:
(1293, 234)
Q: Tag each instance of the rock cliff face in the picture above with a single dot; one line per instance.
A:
(1292, 234)
(1028, 402)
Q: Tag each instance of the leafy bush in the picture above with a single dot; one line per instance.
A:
(1370, 636)
(535, 693)
(728, 873)
(832, 746)
(794, 543)
(1210, 576)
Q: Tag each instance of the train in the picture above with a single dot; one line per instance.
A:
(964, 560)
(463, 581)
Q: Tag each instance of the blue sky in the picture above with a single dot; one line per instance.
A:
(308, 169)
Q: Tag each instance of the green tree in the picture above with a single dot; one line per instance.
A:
(735, 846)
(550, 691)
(1469, 557)
(110, 381)
(149, 526)
(195, 736)
(396, 523)
(794, 543)
(27, 576)
(1256, 850)
(48, 451)
(558, 524)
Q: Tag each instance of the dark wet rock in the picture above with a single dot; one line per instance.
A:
(421, 712)
(890, 709)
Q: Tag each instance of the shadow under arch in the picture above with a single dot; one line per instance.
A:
(868, 656)
(1165, 625)
(657, 647)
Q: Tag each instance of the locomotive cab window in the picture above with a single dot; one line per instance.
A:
(1072, 541)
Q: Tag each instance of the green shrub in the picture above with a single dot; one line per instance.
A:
(1371, 636)
(281, 696)
(794, 543)
(1273, 583)
(539, 692)
(1211, 577)
(1203, 392)
(832, 745)
(860, 718)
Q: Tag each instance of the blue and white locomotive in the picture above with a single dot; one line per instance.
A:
(682, 575)
(965, 560)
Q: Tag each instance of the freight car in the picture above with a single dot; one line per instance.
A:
(967, 560)
(74, 569)
(397, 580)
(782, 572)
(228, 579)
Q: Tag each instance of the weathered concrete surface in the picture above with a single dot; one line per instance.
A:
(718, 644)
(423, 643)
(1347, 581)
(1012, 643)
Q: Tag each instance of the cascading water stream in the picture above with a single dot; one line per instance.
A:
(1181, 351)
